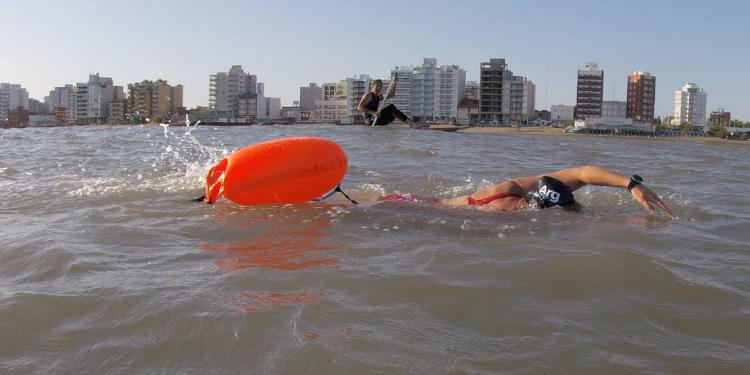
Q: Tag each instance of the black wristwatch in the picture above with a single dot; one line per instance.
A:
(635, 180)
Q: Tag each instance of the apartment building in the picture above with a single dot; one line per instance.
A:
(308, 95)
(226, 87)
(589, 91)
(690, 106)
(641, 96)
(561, 114)
(491, 76)
(12, 97)
(92, 99)
(518, 99)
(154, 100)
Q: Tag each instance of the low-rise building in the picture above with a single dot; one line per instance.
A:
(291, 114)
(593, 122)
(42, 120)
(468, 112)
(614, 109)
(720, 118)
(562, 113)
(18, 117)
(269, 109)
(330, 111)
(247, 105)
(61, 115)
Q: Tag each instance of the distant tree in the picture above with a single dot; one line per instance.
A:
(687, 126)
(735, 123)
(657, 121)
(659, 127)
(721, 132)
(745, 136)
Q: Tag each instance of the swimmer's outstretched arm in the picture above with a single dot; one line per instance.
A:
(576, 178)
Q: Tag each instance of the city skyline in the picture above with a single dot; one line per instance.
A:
(290, 44)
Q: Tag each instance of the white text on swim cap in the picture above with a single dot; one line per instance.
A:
(553, 195)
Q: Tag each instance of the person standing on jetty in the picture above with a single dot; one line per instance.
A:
(370, 103)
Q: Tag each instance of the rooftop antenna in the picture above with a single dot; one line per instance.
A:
(546, 88)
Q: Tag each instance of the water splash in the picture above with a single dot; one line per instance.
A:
(178, 163)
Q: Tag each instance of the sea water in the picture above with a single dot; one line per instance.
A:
(107, 267)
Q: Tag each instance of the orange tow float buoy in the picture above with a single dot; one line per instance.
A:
(287, 170)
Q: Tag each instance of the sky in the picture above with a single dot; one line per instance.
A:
(289, 44)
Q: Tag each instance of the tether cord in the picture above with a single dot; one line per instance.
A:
(327, 195)
(334, 191)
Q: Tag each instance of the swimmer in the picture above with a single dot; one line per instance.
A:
(370, 103)
(549, 190)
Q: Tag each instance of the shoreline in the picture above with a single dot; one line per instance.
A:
(550, 131)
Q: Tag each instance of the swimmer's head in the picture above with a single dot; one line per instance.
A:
(553, 192)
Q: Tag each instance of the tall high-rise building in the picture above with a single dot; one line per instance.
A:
(450, 86)
(641, 96)
(92, 99)
(491, 75)
(518, 100)
(226, 87)
(154, 100)
(403, 96)
(590, 91)
(12, 97)
(354, 89)
(690, 106)
(308, 95)
(429, 91)
(58, 98)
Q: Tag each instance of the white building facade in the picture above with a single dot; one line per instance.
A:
(429, 91)
(59, 98)
(354, 89)
(562, 113)
(12, 96)
(226, 87)
(92, 99)
(518, 95)
(331, 111)
(268, 108)
(690, 106)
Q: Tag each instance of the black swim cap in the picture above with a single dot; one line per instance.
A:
(553, 192)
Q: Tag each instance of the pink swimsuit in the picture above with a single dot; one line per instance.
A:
(483, 201)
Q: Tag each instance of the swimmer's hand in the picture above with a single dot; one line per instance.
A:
(648, 199)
